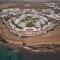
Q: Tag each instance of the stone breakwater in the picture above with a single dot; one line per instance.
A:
(45, 48)
(41, 48)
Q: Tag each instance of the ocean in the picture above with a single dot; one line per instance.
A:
(22, 54)
(6, 54)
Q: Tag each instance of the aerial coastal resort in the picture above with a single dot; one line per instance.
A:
(27, 24)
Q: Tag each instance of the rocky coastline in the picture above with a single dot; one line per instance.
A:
(45, 51)
(41, 48)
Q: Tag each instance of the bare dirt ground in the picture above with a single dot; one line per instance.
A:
(37, 6)
(6, 5)
(52, 37)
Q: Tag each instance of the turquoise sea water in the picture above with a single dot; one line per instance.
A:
(6, 54)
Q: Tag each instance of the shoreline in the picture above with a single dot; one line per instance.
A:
(52, 37)
(42, 48)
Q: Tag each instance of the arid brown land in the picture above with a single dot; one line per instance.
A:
(52, 37)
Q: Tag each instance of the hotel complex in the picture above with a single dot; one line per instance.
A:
(30, 22)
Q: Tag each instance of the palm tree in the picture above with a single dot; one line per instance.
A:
(30, 24)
